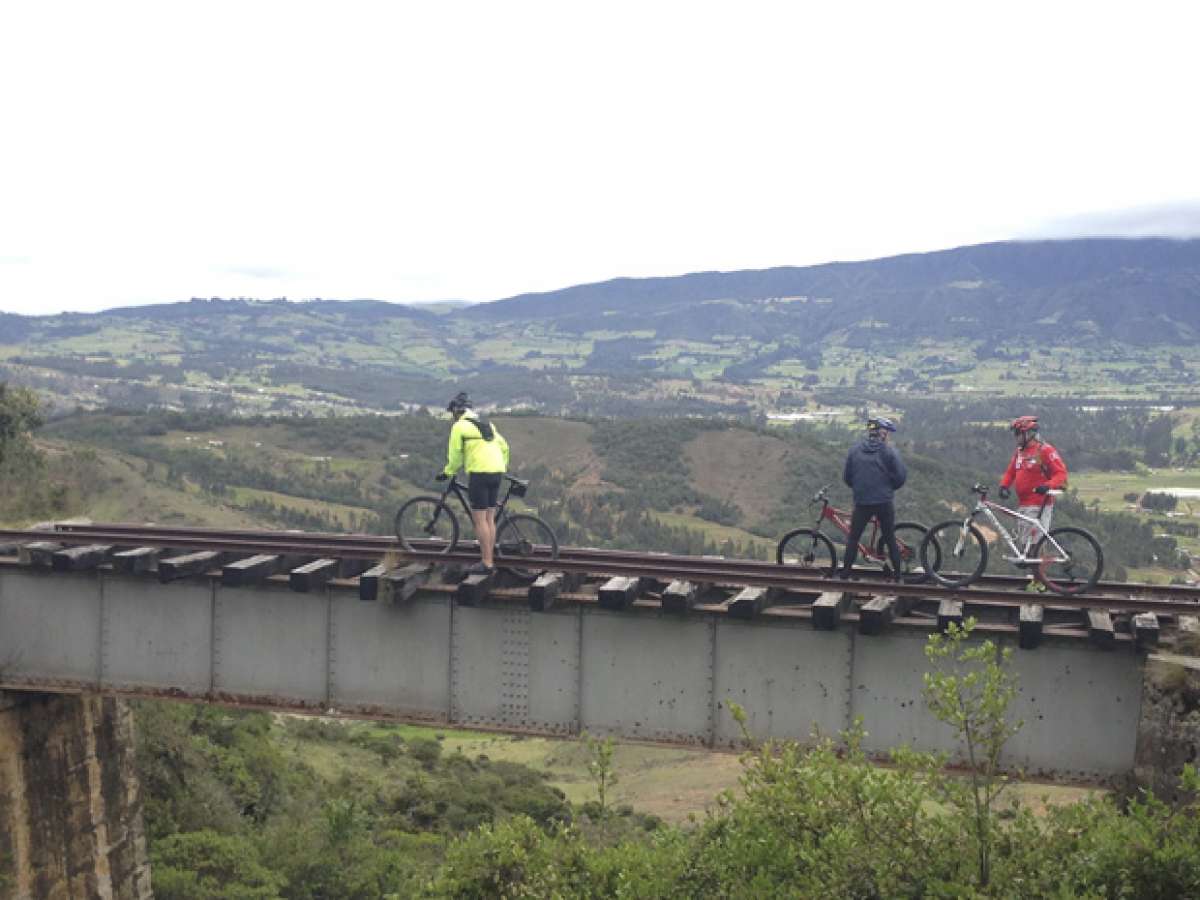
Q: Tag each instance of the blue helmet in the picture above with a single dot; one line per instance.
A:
(880, 423)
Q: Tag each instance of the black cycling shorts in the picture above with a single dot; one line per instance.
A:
(483, 489)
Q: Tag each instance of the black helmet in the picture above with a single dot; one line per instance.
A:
(460, 402)
(880, 423)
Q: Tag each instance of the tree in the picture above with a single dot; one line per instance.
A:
(19, 414)
(600, 768)
(971, 689)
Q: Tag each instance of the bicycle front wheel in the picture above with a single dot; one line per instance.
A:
(426, 524)
(962, 549)
(1076, 568)
(525, 536)
(807, 549)
(909, 536)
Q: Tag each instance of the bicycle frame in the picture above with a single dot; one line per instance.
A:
(1038, 531)
(460, 491)
(831, 513)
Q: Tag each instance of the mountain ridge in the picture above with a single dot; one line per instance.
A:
(923, 322)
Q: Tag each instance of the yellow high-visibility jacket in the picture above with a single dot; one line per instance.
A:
(469, 450)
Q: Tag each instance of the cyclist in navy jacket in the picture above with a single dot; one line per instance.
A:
(874, 471)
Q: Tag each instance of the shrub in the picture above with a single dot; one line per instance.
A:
(425, 750)
(204, 865)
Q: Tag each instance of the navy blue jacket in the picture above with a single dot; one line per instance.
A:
(875, 472)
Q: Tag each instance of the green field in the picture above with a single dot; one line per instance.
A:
(1109, 489)
(674, 783)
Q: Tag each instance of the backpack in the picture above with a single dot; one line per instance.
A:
(486, 431)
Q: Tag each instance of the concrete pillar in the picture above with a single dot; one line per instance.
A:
(70, 799)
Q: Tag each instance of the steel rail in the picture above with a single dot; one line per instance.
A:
(386, 543)
(663, 567)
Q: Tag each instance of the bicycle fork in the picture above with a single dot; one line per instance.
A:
(960, 544)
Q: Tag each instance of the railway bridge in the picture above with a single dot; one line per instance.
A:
(642, 646)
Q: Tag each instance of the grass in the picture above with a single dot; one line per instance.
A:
(718, 534)
(242, 496)
(132, 496)
(674, 783)
(1108, 489)
(671, 782)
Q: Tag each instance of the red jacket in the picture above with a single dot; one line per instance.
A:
(1035, 464)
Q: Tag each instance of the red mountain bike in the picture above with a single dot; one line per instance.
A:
(810, 549)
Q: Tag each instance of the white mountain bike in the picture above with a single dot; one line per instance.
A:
(1066, 560)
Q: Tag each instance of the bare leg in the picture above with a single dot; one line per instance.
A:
(484, 521)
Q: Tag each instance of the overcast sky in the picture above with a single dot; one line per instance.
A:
(419, 151)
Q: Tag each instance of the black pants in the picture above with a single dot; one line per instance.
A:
(886, 513)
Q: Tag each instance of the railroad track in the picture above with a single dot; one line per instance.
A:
(580, 559)
(250, 553)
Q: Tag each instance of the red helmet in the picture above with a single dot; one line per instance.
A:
(1024, 424)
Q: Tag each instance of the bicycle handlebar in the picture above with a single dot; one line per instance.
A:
(982, 490)
(821, 494)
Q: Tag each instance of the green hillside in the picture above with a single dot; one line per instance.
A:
(675, 485)
(1099, 320)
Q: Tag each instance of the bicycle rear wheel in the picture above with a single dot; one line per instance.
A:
(963, 553)
(1077, 568)
(807, 549)
(526, 536)
(909, 536)
(426, 524)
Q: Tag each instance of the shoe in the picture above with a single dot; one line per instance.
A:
(479, 569)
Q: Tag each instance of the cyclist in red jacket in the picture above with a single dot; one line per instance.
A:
(1035, 469)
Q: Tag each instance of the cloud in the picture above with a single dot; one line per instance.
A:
(1174, 220)
(15, 260)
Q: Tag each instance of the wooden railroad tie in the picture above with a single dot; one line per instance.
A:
(313, 574)
(398, 586)
(751, 601)
(544, 592)
(39, 554)
(827, 610)
(949, 611)
(392, 586)
(368, 583)
(619, 592)
(877, 613)
(474, 588)
(78, 559)
(1100, 629)
(137, 560)
(319, 572)
(1029, 628)
(189, 564)
(680, 596)
(1145, 630)
(250, 569)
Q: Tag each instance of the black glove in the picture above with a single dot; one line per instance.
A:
(1042, 489)
(1004, 492)
(441, 476)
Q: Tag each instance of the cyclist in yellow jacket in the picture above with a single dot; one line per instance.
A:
(478, 447)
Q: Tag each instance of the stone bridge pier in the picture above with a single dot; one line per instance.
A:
(70, 799)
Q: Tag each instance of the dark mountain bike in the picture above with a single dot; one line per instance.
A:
(810, 549)
(428, 524)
